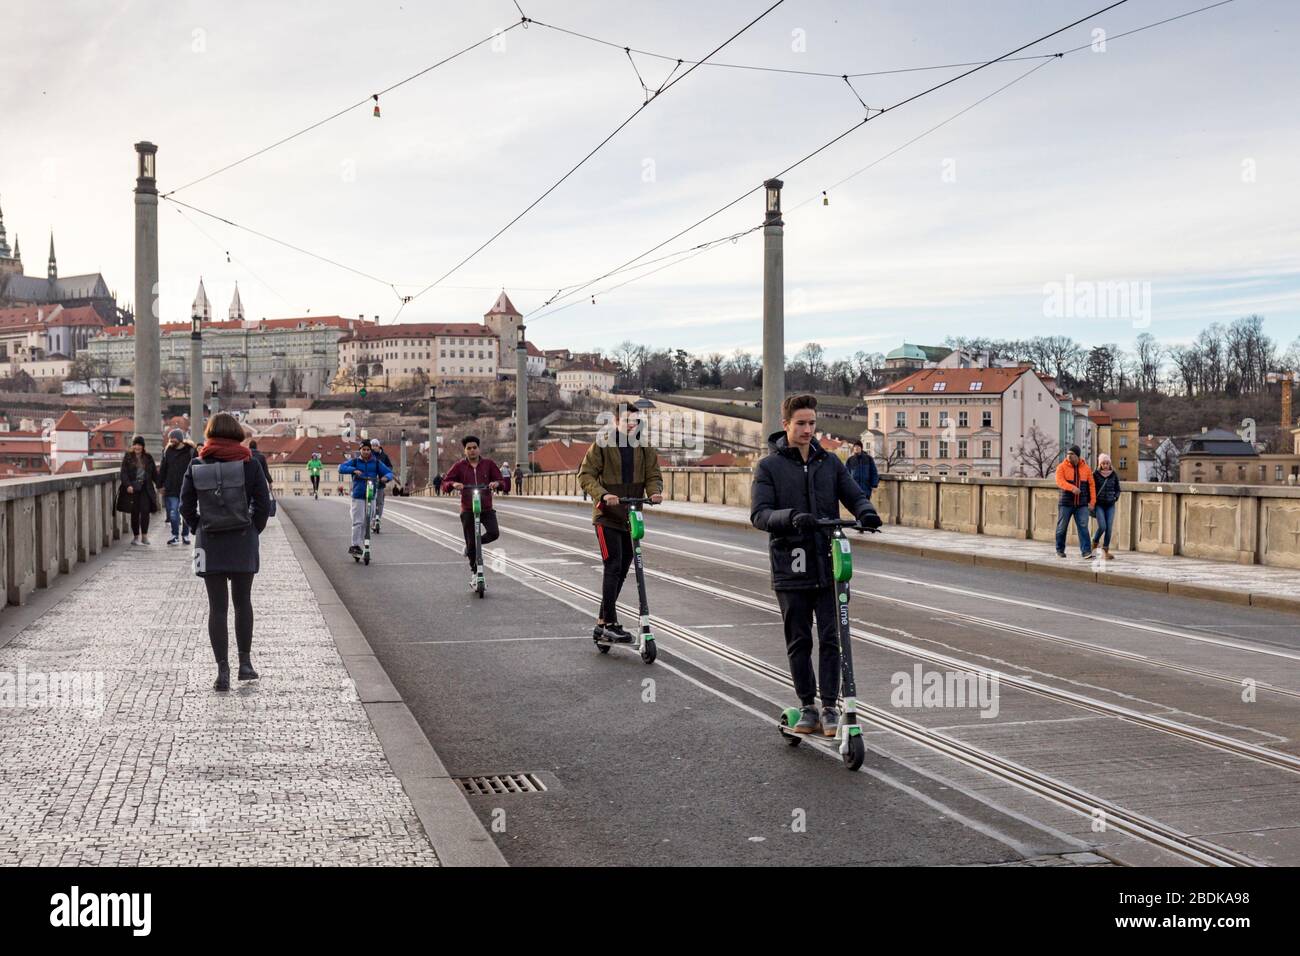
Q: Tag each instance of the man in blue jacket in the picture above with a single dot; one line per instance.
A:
(862, 469)
(367, 466)
(797, 483)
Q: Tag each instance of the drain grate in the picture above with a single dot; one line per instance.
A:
(501, 783)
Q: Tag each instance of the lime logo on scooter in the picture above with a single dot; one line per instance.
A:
(644, 644)
(479, 585)
(848, 734)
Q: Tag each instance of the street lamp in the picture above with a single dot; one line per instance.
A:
(433, 433)
(773, 187)
(773, 309)
(214, 396)
(196, 375)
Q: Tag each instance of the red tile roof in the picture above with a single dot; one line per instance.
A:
(305, 322)
(723, 459)
(559, 456)
(72, 467)
(333, 449)
(993, 381)
(503, 306)
(36, 317)
(410, 330)
(1126, 411)
(116, 425)
(69, 422)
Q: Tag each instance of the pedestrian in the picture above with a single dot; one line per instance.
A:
(621, 465)
(1078, 497)
(505, 473)
(377, 447)
(437, 484)
(135, 494)
(862, 469)
(175, 462)
(224, 497)
(1106, 482)
(797, 483)
(260, 459)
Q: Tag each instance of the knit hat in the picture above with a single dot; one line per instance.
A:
(1074, 450)
(176, 434)
(1103, 459)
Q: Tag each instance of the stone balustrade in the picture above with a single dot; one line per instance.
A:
(50, 524)
(1242, 524)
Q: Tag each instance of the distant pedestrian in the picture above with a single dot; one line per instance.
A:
(862, 469)
(1106, 482)
(226, 500)
(135, 495)
(175, 462)
(505, 473)
(260, 459)
(1078, 497)
(437, 484)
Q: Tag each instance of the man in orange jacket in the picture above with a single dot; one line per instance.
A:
(1078, 498)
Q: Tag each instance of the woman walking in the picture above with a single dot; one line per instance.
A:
(1107, 481)
(225, 498)
(135, 495)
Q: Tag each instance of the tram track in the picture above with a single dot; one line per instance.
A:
(1137, 825)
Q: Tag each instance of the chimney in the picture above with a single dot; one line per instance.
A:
(1204, 429)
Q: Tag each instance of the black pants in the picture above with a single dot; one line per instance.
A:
(241, 590)
(616, 552)
(490, 532)
(140, 514)
(797, 610)
(315, 484)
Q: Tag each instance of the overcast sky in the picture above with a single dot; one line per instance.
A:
(1169, 158)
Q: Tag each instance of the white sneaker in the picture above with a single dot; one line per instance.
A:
(473, 580)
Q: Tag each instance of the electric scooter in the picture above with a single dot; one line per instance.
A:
(848, 734)
(364, 556)
(645, 640)
(480, 585)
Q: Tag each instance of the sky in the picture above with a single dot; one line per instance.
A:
(1159, 165)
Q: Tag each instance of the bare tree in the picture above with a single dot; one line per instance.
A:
(1037, 454)
(1150, 356)
(895, 456)
(88, 370)
(1165, 464)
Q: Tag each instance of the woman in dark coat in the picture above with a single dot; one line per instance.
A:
(135, 495)
(228, 559)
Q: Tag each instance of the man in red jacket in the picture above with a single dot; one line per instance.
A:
(475, 470)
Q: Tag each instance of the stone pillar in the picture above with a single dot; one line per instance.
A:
(148, 403)
(521, 402)
(773, 310)
(196, 381)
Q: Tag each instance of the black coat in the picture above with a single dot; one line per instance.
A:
(126, 500)
(784, 485)
(175, 462)
(1107, 487)
(266, 469)
(227, 552)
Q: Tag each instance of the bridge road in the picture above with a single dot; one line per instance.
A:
(698, 774)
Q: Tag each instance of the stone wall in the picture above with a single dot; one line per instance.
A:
(1242, 524)
(49, 525)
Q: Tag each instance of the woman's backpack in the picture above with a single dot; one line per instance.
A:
(223, 498)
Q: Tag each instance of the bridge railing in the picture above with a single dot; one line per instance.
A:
(1242, 524)
(48, 525)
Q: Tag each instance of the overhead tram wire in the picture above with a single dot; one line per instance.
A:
(662, 89)
(345, 110)
(829, 143)
(229, 258)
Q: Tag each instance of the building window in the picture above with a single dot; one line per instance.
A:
(1277, 474)
(939, 386)
(987, 420)
(943, 449)
(961, 448)
(976, 386)
(986, 449)
(900, 449)
(944, 420)
(900, 419)
(925, 449)
(1123, 441)
(963, 420)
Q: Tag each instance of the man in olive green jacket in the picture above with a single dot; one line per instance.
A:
(618, 466)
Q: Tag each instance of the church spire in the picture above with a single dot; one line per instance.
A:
(4, 246)
(236, 307)
(18, 256)
(52, 270)
(201, 307)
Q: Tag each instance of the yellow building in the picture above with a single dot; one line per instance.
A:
(1115, 432)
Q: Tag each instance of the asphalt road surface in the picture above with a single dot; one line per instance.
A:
(1137, 700)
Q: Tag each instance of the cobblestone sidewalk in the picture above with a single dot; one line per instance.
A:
(139, 762)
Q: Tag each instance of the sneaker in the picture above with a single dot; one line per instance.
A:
(355, 549)
(144, 539)
(1088, 556)
(830, 721)
(615, 632)
(173, 539)
(809, 722)
(185, 541)
(135, 540)
(1060, 554)
(473, 580)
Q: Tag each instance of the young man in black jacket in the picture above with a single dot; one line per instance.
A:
(175, 463)
(797, 483)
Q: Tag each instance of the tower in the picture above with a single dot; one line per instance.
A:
(504, 321)
(4, 245)
(52, 268)
(201, 307)
(236, 307)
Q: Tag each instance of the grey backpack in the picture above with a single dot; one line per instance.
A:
(223, 499)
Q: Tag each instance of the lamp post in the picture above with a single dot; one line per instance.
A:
(214, 396)
(148, 403)
(773, 309)
(433, 433)
(401, 467)
(196, 377)
(521, 403)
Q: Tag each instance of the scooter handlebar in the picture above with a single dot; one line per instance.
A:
(637, 501)
(837, 522)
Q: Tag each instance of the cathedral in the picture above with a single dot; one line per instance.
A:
(17, 289)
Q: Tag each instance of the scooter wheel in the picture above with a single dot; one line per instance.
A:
(366, 558)
(480, 589)
(603, 648)
(789, 717)
(648, 652)
(856, 753)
